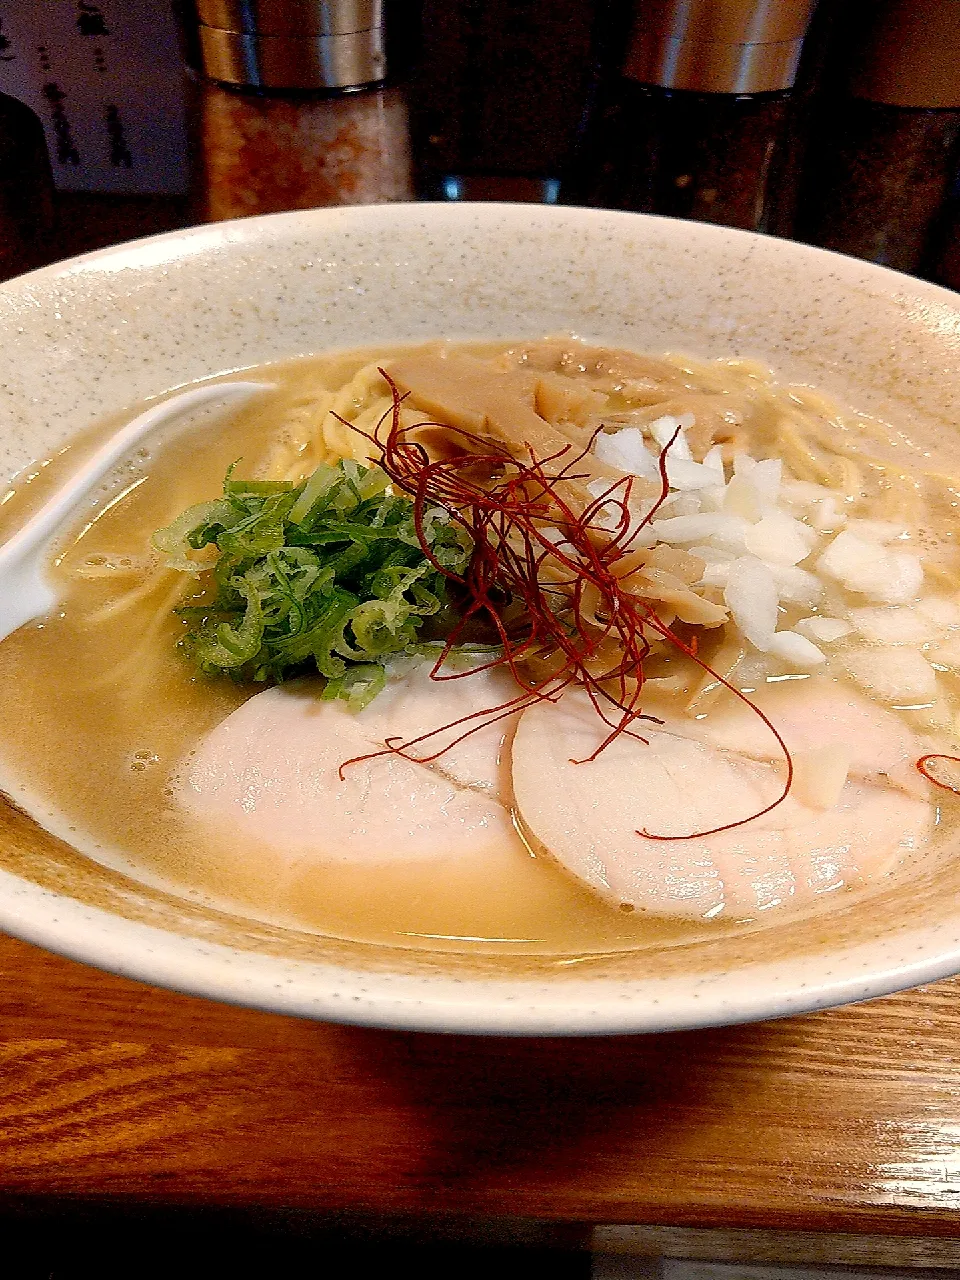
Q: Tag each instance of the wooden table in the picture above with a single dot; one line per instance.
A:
(840, 1122)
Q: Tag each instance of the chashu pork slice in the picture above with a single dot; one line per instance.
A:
(438, 718)
(269, 774)
(810, 714)
(588, 817)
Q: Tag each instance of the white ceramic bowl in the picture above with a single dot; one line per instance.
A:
(88, 337)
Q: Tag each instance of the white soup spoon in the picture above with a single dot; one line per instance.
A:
(25, 589)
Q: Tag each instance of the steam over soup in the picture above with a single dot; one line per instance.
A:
(537, 647)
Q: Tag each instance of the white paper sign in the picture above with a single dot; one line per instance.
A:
(106, 78)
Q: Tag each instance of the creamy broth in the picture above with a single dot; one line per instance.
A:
(117, 708)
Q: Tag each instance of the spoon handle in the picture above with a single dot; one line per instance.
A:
(47, 521)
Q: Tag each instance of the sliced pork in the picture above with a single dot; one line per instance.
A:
(589, 815)
(269, 773)
(810, 715)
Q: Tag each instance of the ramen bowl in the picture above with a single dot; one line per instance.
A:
(88, 338)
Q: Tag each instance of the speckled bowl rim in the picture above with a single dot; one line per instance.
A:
(574, 1006)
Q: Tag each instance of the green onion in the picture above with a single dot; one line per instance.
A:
(328, 574)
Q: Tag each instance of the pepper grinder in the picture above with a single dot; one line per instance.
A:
(294, 107)
(880, 164)
(694, 121)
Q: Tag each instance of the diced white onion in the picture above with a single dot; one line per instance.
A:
(731, 535)
(767, 477)
(896, 625)
(742, 499)
(895, 675)
(678, 504)
(683, 474)
(711, 498)
(663, 430)
(905, 578)
(796, 585)
(708, 527)
(714, 460)
(751, 596)
(625, 449)
(752, 548)
(779, 539)
(944, 612)
(711, 554)
(886, 577)
(795, 649)
(824, 630)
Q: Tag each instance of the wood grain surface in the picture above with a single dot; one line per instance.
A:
(845, 1121)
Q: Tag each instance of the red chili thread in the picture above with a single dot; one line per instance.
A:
(506, 518)
(922, 769)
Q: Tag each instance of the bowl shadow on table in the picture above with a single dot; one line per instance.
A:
(639, 1128)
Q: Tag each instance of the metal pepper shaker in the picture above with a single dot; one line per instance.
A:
(885, 148)
(295, 109)
(693, 121)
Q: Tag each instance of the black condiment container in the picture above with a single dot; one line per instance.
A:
(884, 148)
(26, 190)
(497, 96)
(694, 121)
